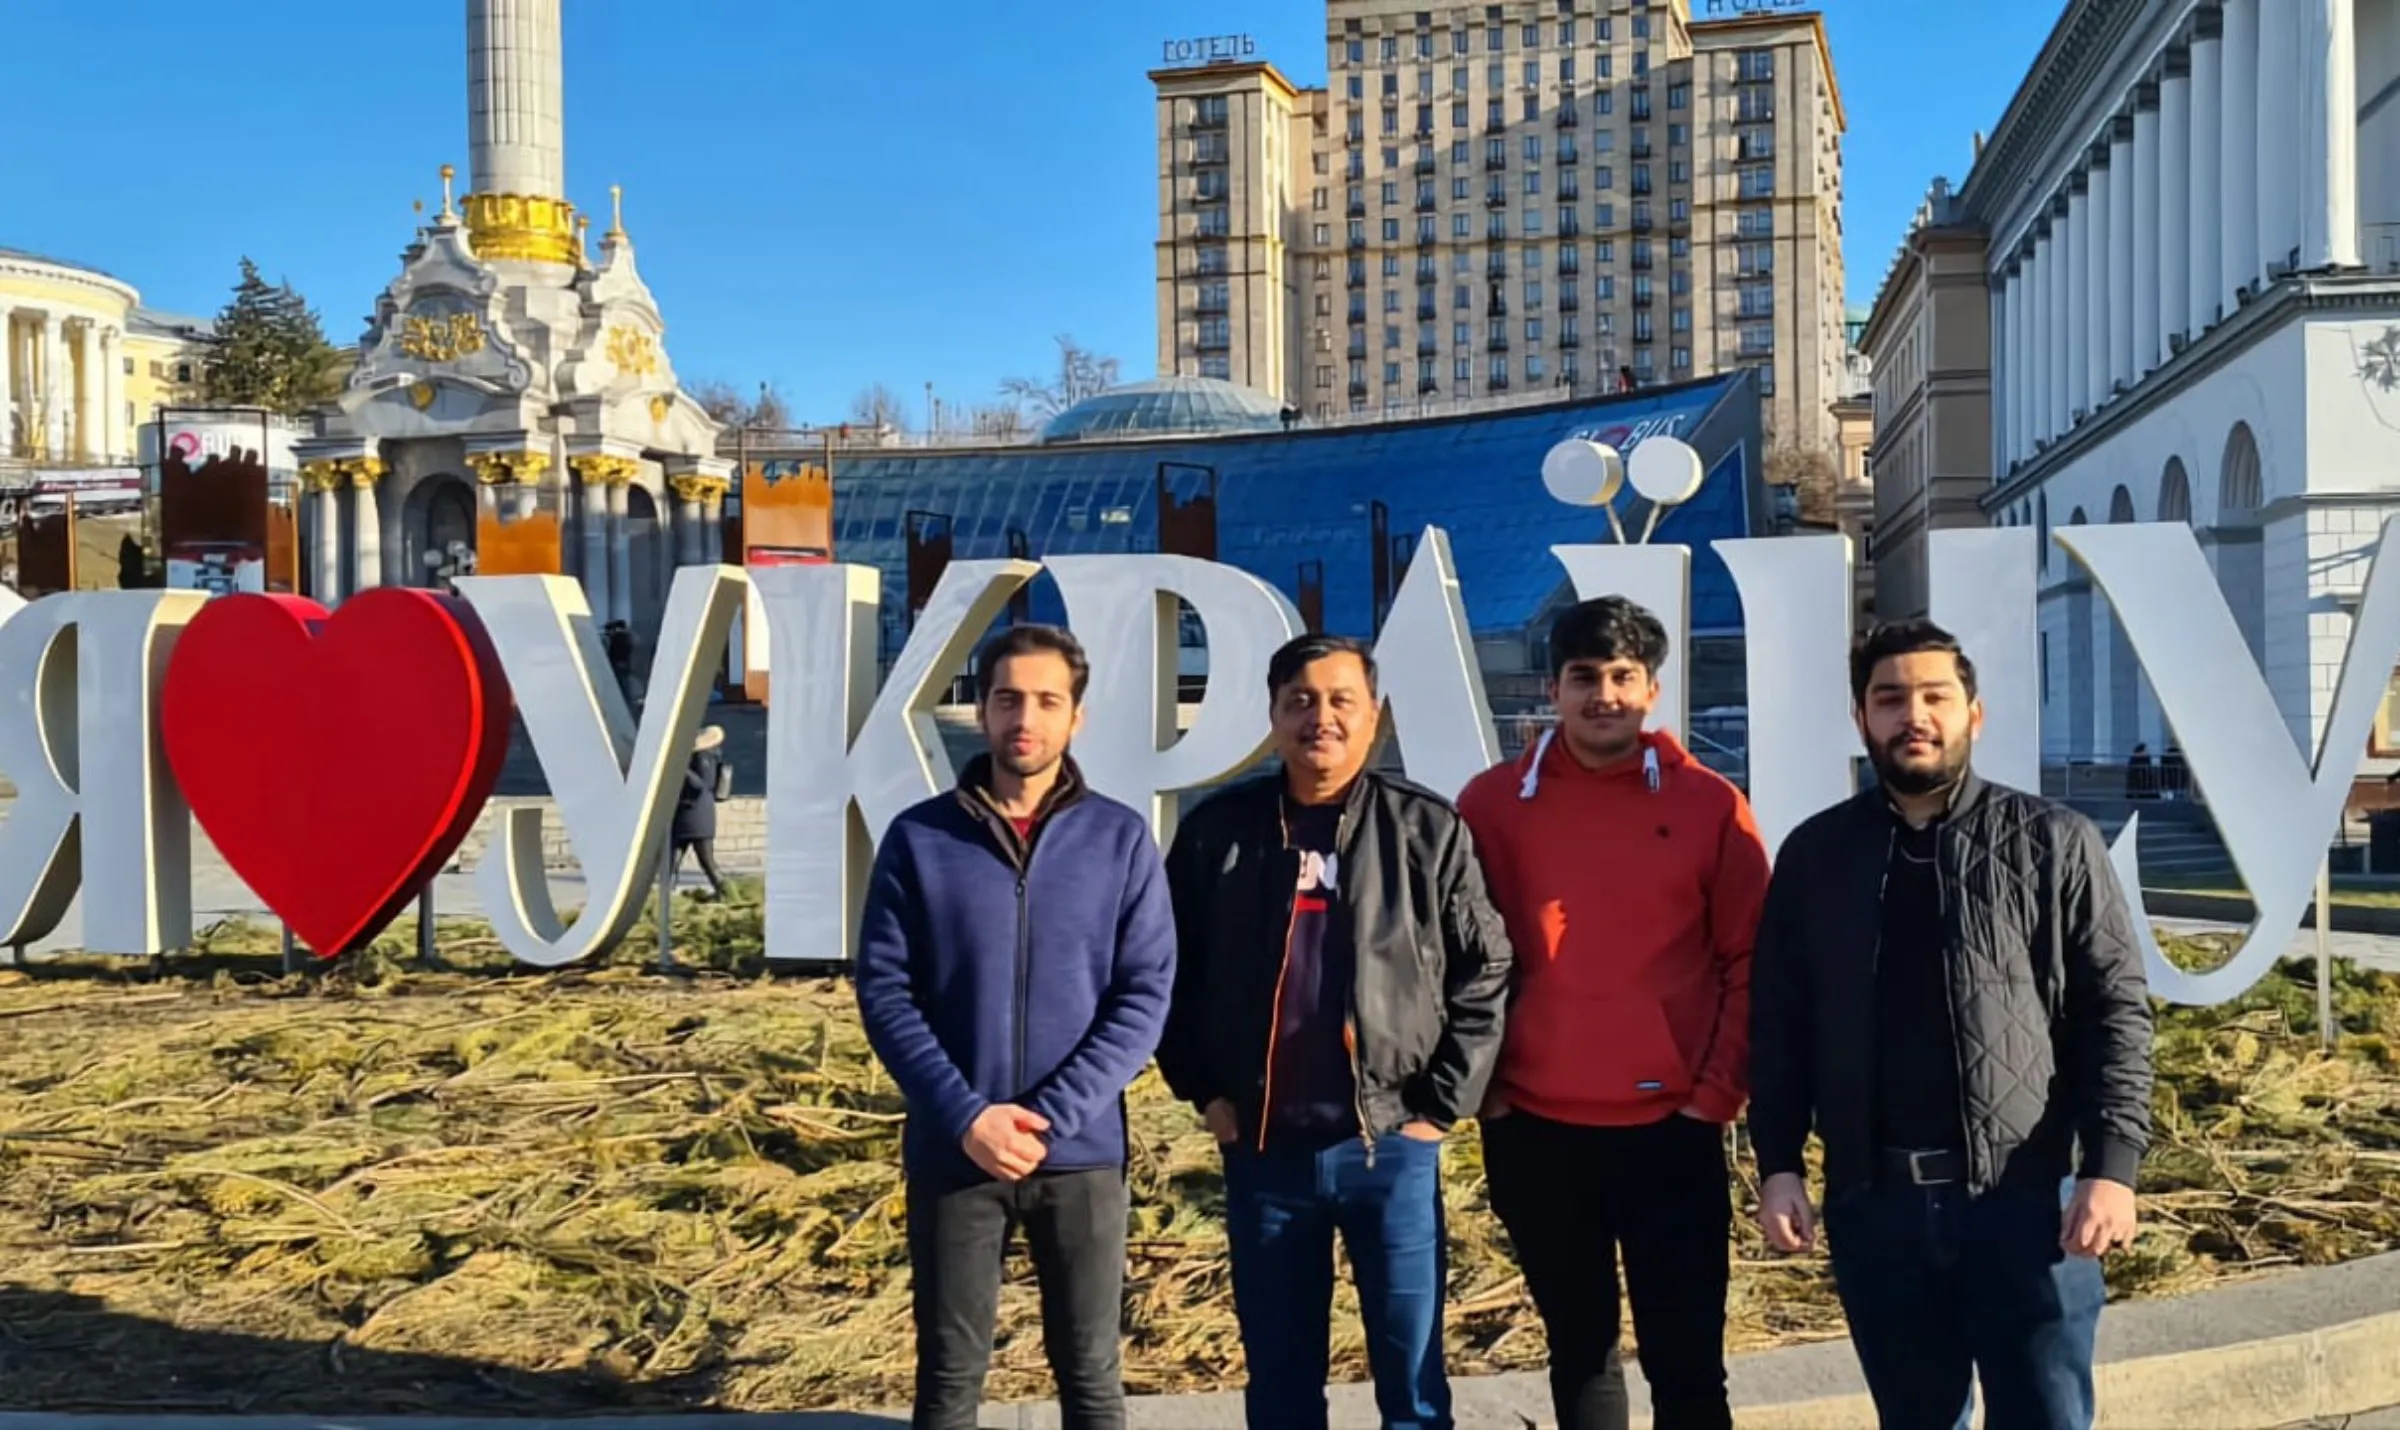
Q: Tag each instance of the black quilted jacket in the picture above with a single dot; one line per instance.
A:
(2051, 1005)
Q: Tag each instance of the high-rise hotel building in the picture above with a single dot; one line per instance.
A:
(1497, 199)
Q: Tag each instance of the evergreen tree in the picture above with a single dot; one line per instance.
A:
(270, 350)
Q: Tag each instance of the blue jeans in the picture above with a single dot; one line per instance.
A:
(1941, 1290)
(1282, 1209)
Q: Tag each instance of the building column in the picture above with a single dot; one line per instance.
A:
(83, 446)
(2206, 188)
(2329, 126)
(2123, 185)
(2062, 282)
(318, 481)
(53, 339)
(620, 556)
(113, 446)
(687, 488)
(2174, 203)
(2147, 262)
(712, 522)
(2096, 297)
(2010, 303)
(367, 523)
(596, 473)
(8, 381)
(2077, 328)
(2237, 147)
(2037, 340)
(2282, 148)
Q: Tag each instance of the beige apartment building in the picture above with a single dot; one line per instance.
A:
(1928, 342)
(1513, 199)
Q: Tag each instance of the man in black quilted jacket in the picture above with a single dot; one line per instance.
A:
(1947, 989)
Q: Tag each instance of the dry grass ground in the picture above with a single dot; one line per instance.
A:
(388, 1189)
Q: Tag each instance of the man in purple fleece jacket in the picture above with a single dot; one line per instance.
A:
(1014, 967)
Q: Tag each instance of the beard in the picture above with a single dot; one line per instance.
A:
(1948, 767)
(1024, 766)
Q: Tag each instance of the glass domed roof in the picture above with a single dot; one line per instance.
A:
(1169, 405)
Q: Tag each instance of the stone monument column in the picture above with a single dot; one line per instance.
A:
(364, 473)
(317, 480)
(597, 472)
(690, 489)
(620, 552)
(515, 115)
(712, 523)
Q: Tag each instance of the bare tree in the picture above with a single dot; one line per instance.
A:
(725, 403)
(1812, 470)
(1001, 422)
(1082, 373)
(878, 408)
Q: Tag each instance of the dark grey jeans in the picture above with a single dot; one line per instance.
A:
(1074, 1226)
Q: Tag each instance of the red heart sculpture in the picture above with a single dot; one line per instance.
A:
(336, 761)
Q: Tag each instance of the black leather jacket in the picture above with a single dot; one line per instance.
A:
(1432, 954)
(2047, 993)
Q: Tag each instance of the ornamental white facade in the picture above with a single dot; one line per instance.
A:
(2193, 215)
(510, 386)
(62, 362)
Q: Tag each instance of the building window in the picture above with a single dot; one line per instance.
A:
(1391, 230)
(1533, 181)
(1533, 72)
(1679, 96)
(1391, 373)
(1681, 358)
(1756, 64)
(1323, 235)
(1462, 371)
(1461, 226)
(1755, 223)
(1462, 333)
(1533, 368)
(1533, 330)
(1217, 366)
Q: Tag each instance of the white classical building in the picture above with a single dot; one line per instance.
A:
(513, 408)
(2193, 212)
(63, 362)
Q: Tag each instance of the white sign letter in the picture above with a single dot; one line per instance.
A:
(614, 787)
(1796, 630)
(1425, 659)
(833, 741)
(96, 804)
(1984, 592)
(2274, 808)
(1659, 580)
(1123, 609)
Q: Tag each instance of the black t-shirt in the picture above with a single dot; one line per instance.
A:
(1310, 1091)
(1916, 1085)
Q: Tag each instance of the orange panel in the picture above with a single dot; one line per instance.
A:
(526, 545)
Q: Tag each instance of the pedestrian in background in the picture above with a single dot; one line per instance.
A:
(695, 827)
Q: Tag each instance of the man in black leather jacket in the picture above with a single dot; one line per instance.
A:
(1340, 983)
(1948, 988)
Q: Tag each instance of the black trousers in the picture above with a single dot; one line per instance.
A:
(1074, 1225)
(1570, 1198)
(706, 849)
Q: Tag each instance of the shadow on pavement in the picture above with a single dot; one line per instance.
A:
(66, 1353)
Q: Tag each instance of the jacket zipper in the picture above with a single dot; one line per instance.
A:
(1358, 1077)
(1266, 1099)
(1941, 906)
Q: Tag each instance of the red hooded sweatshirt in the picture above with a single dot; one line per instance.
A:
(1632, 896)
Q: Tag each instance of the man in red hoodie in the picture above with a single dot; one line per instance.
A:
(1631, 878)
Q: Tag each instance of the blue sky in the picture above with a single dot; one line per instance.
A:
(823, 195)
